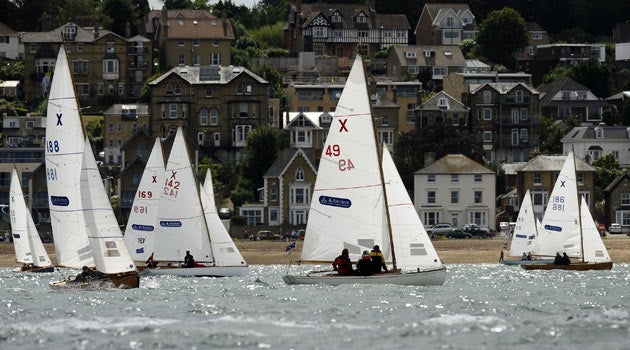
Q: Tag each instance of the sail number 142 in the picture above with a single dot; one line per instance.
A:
(557, 203)
(335, 151)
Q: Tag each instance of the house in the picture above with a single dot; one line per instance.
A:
(617, 201)
(621, 37)
(343, 30)
(564, 97)
(106, 67)
(9, 89)
(539, 176)
(593, 142)
(19, 131)
(308, 130)
(10, 45)
(445, 24)
(320, 96)
(457, 84)
(442, 109)
(433, 62)
(504, 116)
(218, 106)
(190, 37)
(537, 36)
(286, 194)
(120, 123)
(456, 190)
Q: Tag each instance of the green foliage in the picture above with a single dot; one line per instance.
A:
(500, 35)
(78, 11)
(469, 48)
(557, 73)
(278, 52)
(607, 170)
(145, 93)
(593, 75)
(269, 36)
(271, 74)
(121, 12)
(178, 4)
(12, 70)
(551, 133)
(410, 148)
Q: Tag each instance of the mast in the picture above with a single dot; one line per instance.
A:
(379, 152)
(577, 190)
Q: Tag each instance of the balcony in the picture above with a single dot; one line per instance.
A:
(111, 76)
(520, 121)
(137, 50)
(511, 100)
(141, 65)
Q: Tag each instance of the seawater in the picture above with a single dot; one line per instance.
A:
(480, 306)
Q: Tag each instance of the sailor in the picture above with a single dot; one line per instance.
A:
(343, 264)
(189, 261)
(364, 265)
(378, 259)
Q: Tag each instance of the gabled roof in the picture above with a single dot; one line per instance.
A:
(544, 162)
(453, 105)
(560, 84)
(445, 56)
(6, 30)
(435, 10)
(501, 88)
(139, 133)
(348, 12)
(455, 164)
(619, 96)
(193, 75)
(286, 157)
(616, 181)
(313, 118)
(83, 35)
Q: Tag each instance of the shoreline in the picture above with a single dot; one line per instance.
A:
(451, 251)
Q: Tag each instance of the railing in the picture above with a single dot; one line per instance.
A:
(511, 100)
(137, 50)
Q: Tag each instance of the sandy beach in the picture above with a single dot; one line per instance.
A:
(453, 251)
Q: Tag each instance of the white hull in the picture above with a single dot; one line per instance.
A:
(421, 278)
(207, 271)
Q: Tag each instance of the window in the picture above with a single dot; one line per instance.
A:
(215, 59)
(523, 113)
(431, 197)
(539, 198)
(514, 136)
(79, 47)
(299, 174)
(536, 36)
(181, 60)
(487, 114)
(320, 32)
(214, 116)
(239, 89)
(454, 178)
(110, 127)
(111, 47)
(599, 133)
(431, 218)
(248, 89)
(273, 193)
(121, 89)
(299, 196)
(487, 97)
(431, 118)
(454, 197)
(386, 137)
(413, 69)
(363, 49)
(455, 119)
(450, 22)
(479, 218)
(361, 18)
(203, 116)
(622, 217)
(524, 135)
(362, 33)
(208, 90)
(519, 96)
(119, 127)
(196, 42)
(431, 178)
(537, 178)
(440, 71)
(625, 199)
(318, 49)
(241, 132)
(110, 66)
(580, 178)
(252, 216)
(478, 177)
(178, 89)
(172, 110)
(478, 197)
(514, 115)
(180, 43)
(201, 136)
(196, 60)
(487, 136)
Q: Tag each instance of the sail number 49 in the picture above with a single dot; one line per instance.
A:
(557, 203)
(335, 151)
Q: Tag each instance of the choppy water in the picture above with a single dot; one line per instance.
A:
(479, 307)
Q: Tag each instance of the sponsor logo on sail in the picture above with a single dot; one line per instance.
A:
(140, 250)
(335, 202)
(170, 223)
(138, 227)
(16, 235)
(60, 201)
(141, 240)
(553, 228)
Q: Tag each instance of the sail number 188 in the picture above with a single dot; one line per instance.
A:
(557, 203)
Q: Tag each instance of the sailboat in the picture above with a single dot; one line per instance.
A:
(359, 201)
(84, 226)
(525, 232)
(568, 227)
(29, 249)
(182, 224)
(140, 230)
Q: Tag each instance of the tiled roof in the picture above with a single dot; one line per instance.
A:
(445, 56)
(588, 133)
(83, 34)
(286, 156)
(6, 30)
(501, 88)
(197, 24)
(455, 164)
(553, 163)
(313, 117)
(348, 12)
(561, 84)
(192, 75)
(452, 103)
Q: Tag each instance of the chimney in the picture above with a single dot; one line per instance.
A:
(96, 31)
(429, 158)
(127, 30)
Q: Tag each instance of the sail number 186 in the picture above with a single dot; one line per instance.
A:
(557, 203)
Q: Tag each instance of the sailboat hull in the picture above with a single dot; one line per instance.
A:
(125, 280)
(206, 271)
(578, 266)
(422, 278)
(527, 262)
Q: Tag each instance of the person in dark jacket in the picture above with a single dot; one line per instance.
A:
(364, 265)
(565, 259)
(558, 259)
(189, 261)
(378, 260)
(343, 264)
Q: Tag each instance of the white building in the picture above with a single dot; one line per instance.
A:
(455, 190)
(593, 142)
(10, 46)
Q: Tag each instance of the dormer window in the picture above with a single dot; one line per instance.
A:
(70, 32)
(599, 133)
(335, 18)
(410, 54)
(442, 102)
(361, 18)
(181, 22)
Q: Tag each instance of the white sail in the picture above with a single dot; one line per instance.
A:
(223, 248)
(106, 241)
(19, 223)
(412, 244)
(561, 223)
(347, 208)
(181, 222)
(525, 230)
(38, 252)
(594, 248)
(64, 156)
(140, 230)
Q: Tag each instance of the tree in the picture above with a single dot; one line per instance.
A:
(551, 133)
(78, 11)
(122, 13)
(500, 35)
(607, 170)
